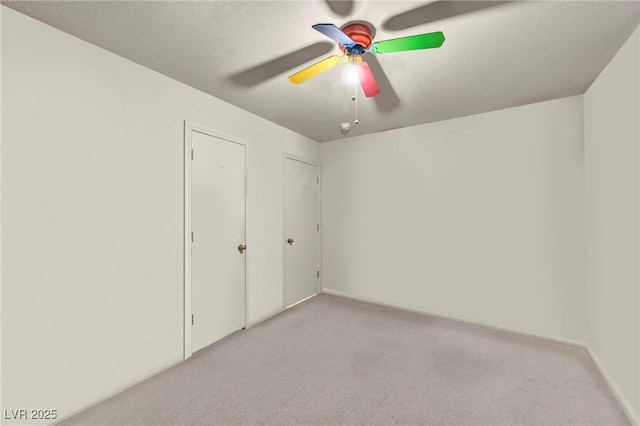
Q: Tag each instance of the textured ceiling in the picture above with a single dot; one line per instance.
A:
(496, 54)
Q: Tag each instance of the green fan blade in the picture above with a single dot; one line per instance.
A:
(416, 42)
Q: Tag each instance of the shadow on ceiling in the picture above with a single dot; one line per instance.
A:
(435, 11)
(387, 99)
(340, 7)
(267, 70)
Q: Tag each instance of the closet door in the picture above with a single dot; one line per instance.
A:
(218, 173)
(302, 231)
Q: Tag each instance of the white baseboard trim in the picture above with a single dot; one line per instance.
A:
(300, 301)
(265, 317)
(626, 407)
(122, 388)
(156, 371)
(624, 404)
(276, 311)
(414, 309)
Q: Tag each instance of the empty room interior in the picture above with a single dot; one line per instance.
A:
(320, 212)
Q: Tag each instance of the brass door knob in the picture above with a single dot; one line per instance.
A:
(290, 241)
(242, 248)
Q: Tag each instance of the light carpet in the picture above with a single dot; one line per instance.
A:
(332, 361)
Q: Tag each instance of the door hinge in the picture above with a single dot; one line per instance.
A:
(318, 179)
(193, 319)
(318, 226)
(192, 237)
(318, 274)
(192, 155)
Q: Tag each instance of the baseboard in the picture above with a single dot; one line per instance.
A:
(155, 371)
(628, 411)
(276, 311)
(122, 388)
(626, 407)
(303, 300)
(265, 317)
(452, 317)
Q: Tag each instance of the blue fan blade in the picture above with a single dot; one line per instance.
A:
(335, 34)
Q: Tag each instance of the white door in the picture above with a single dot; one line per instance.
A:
(218, 225)
(302, 234)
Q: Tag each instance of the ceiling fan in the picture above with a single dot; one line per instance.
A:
(354, 40)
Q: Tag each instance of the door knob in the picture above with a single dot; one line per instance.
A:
(290, 241)
(242, 248)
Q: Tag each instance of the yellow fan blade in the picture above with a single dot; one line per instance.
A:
(315, 69)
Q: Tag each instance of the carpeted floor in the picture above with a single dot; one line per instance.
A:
(334, 361)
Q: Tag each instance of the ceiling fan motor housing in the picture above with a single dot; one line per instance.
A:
(359, 33)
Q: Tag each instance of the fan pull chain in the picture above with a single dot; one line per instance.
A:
(355, 99)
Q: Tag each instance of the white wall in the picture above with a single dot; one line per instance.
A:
(612, 136)
(479, 218)
(92, 215)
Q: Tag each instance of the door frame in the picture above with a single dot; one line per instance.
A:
(285, 156)
(190, 127)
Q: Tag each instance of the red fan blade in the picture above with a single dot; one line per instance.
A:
(368, 82)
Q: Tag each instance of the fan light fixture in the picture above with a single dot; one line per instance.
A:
(354, 40)
(354, 61)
